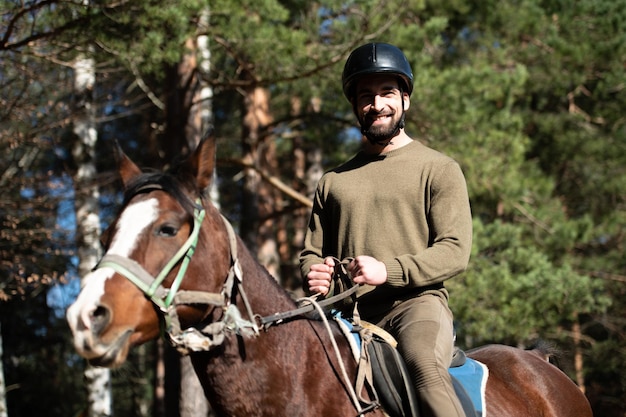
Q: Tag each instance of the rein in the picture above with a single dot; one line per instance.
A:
(205, 338)
(340, 273)
(194, 339)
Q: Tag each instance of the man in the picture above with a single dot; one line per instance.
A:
(402, 211)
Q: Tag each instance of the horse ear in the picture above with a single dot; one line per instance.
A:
(127, 168)
(203, 161)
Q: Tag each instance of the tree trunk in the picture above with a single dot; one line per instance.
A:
(141, 404)
(290, 250)
(188, 120)
(578, 355)
(158, 405)
(3, 387)
(193, 403)
(259, 200)
(97, 380)
(270, 199)
(249, 223)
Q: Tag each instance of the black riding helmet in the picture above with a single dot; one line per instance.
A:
(376, 58)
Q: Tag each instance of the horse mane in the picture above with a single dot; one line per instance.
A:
(156, 180)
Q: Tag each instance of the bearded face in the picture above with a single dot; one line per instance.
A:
(381, 127)
(379, 106)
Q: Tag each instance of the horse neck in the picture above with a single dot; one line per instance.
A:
(271, 358)
(265, 294)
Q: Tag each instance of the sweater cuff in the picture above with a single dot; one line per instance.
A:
(395, 273)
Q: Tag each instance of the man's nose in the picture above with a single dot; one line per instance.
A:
(377, 102)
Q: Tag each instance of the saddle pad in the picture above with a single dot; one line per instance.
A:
(473, 376)
(354, 339)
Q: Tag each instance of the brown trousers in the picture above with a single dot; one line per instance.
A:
(424, 330)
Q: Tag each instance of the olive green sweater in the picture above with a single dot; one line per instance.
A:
(408, 208)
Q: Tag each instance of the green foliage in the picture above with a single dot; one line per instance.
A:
(145, 35)
(514, 292)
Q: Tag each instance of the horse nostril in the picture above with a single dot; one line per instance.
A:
(99, 319)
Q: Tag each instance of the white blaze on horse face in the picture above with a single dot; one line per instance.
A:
(132, 223)
(135, 218)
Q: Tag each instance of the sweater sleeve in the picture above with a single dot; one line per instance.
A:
(450, 241)
(313, 241)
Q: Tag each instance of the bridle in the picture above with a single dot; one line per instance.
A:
(168, 299)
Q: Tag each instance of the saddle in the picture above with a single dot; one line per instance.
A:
(381, 369)
(383, 373)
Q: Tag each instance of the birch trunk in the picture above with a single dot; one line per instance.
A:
(3, 386)
(193, 403)
(97, 380)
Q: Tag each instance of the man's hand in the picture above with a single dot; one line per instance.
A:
(368, 270)
(320, 275)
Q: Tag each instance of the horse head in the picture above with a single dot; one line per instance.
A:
(133, 294)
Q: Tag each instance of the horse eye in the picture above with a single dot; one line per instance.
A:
(167, 231)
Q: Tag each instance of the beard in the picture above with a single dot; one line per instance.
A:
(381, 134)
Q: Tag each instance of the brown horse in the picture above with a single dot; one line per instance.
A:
(215, 306)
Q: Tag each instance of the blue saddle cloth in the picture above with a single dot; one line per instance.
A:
(472, 376)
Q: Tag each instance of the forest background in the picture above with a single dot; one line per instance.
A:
(528, 95)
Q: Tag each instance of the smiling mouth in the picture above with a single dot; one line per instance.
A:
(375, 118)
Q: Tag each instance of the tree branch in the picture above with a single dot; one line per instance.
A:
(274, 181)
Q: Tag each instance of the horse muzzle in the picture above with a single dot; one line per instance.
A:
(88, 323)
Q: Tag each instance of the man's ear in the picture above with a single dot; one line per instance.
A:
(407, 100)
